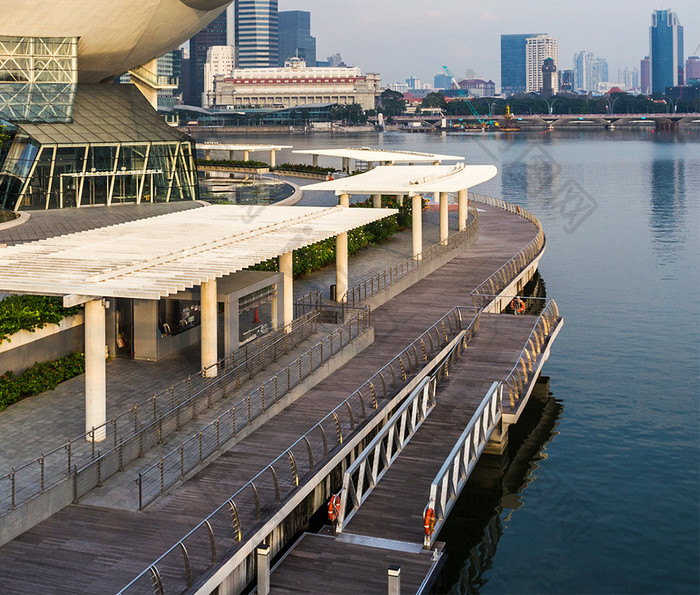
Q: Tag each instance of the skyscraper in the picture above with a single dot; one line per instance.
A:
(645, 75)
(692, 69)
(665, 50)
(213, 34)
(513, 63)
(295, 39)
(537, 50)
(589, 71)
(257, 33)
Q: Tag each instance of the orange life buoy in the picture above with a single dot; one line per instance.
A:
(334, 507)
(429, 521)
(518, 305)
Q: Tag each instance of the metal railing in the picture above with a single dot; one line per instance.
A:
(225, 527)
(125, 433)
(520, 376)
(378, 282)
(450, 480)
(505, 275)
(172, 468)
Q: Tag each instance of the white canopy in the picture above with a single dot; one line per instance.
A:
(411, 181)
(159, 256)
(381, 155)
(249, 148)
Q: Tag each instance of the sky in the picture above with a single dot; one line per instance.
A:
(401, 38)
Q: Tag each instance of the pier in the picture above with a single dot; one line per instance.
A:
(447, 338)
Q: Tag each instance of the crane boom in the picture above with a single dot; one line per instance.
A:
(484, 124)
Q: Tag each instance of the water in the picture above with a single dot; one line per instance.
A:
(223, 191)
(605, 496)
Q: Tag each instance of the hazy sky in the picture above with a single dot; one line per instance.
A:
(400, 38)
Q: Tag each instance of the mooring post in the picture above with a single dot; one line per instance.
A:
(263, 569)
(394, 579)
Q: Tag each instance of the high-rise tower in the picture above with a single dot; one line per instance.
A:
(513, 63)
(295, 39)
(665, 50)
(257, 33)
(213, 34)
(537, 50)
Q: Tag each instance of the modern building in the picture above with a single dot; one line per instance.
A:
(589, 71)
(665, 50)
(214, 34)
(537, 50)
(478, 87)
(628, 78)
(295, 39)
(442, 81)
(566, 80)
(221, 61)
(549, 75)
(692, 69)
(513, 63)
(257, 33)
(645, 75)
(170, 66)
(294, 85)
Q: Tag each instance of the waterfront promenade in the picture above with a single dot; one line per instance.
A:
(100, 548)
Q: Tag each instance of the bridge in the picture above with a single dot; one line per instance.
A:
(446, 360)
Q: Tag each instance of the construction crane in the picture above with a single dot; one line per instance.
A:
(483, 123)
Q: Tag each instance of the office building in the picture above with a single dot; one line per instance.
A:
(645, 75)
(295, 85)
(513, 63)
(692, 69)
(257, 33)
(221, 61)
(214, 34)
(295, 39)
(478, 87)
(566, 80)
(589, 72)
(537, 50)
(628, 78)
(442, 81)
(665, 50)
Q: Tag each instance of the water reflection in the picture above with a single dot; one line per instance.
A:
(493, 493)
(228, 192)
(667, 205)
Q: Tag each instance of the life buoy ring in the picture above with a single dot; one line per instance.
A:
(429, 521)
(334, 508)
(518, 305)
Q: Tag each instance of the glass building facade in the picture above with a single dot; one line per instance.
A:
(257, 33)
(514, 63)
(666, 50)
(295, 39)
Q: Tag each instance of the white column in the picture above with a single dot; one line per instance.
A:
(272, 158)
(207, 154)
(417, 227)
(400, 198)
(341, 267)
(314, 160)
(209, 328)
(287, 269)
(95, 371)
(231, 155)
(377, 201)
(231, 325)
(462, 209)
(344, 200)
(444, 220)
(246, 156)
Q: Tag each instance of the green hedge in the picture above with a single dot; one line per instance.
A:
(315, 257)
(39, 378)
(232, 163)
(30, 312)
(313, 169)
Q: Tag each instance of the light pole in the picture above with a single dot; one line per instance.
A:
(550, 106)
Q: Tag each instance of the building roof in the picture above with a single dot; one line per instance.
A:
(160, 256)
(369, 154)
(418, 179)
(110, 114)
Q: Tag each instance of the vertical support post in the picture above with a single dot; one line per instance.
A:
(246, 156)
(344, 200)
(377, 201)
(400, 199)
(286, 267)
(274, 309)
(207, 154)
(209, 328)
(462, 209)
(394, 575)
(231, 321)
(417, 226)
(314, 160)
(444, 220)
(341, 267)
(272, 158)
(263, 553)
(79, 196)
(231, 156)
(95, 371)
(113, 179)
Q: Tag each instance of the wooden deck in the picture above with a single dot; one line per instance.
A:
(91, 549)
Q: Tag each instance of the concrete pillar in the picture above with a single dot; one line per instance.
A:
(246, 156)
(400, 198)
(263, 555)
(272, 158)
(462, 209)
(444, 218)
(231, 325)
(287, 269)
(346, 164)
(436, 162)
(275, 312)
(377, 201)
(417, 227)
(341, 266)
(231, 155)
(314, 160)
(344, 200)
(95, 371)
(207, 154)
(209, 328)
(394, 576)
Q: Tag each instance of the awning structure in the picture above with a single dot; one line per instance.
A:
(381, 156)
(416, 180)
(157, 257)
(208, 148)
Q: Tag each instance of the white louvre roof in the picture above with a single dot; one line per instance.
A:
(368, 154)
(251, 148)
(156, 257)
(418, 179)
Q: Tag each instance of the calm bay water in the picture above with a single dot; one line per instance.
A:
(604, 495)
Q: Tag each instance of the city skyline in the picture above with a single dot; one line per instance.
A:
(472, 32)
